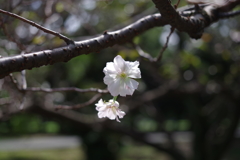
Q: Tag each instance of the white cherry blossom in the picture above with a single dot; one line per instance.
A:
(109, 109)
(119, 74)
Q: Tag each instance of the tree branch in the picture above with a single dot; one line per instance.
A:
(173, 153)
(10, 38)
(63, 54)
(67, 40)
(229, 6)
(220, 148)
(142, 53)
(91, 101)
(193, 25)
(65, 89)
(229, 14)
(77, 119)
(159, 57)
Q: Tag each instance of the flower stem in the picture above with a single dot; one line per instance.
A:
(115, 98)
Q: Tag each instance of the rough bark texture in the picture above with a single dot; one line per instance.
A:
(193, 25)
(64, 54)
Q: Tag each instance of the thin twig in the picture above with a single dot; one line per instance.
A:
(228, 14)
(23, 102)
(176, 5)
(67, 89)
(148, 56)
(14, 81)
(24, 86)
(142, 53)
(92, 100)
(165, 46)
(67, 40)
(2, 24)
(24, 81)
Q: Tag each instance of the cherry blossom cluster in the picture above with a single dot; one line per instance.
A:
(119, 77)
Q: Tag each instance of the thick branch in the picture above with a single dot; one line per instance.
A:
(193, 25)
(63, 54)
(229, 5)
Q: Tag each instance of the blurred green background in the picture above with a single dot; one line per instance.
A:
(187, 104)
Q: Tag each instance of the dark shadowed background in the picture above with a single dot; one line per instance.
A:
(186, 106)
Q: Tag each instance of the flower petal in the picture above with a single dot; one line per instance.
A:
(133, 84)
(110, 114)
(119, 64)
(114, 87)
(109, 109)
(108, 80)
(101, 114)
(114, 102)
(110, 68)
(128, 88)
(133, 70)
(100, 105)
(121, 114)
(124, 90)
(117, 119)
(118, 76)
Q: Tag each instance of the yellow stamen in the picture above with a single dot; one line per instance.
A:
(123, 75)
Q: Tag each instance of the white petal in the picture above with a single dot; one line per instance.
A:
(110, 114)
(121, 114)
(134, 64)
(128, 88)
(110, 68)
(101, 114)
(109, 109)
(117, 119)
(100, 102)
(102, 108)
(124, 90)
(119, 63)
(100, 105)
(133, 84)
(108, 79)
(118, 84)
(114, 87)
(114, 103)
(133, 71)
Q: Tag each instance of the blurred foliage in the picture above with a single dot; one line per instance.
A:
(131, 151)
(23, 124)
(50, 154)
(211, 62)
